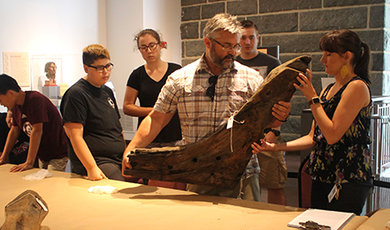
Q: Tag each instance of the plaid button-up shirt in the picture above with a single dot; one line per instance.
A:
(185, 90)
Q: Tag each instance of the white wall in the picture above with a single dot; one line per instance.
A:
(164, 16)
(62, 28)
(124, 18)
(50, 28)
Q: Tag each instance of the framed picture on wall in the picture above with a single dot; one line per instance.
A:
(17, 65)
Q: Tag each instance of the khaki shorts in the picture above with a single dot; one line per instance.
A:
(273, 170)
(54, 164)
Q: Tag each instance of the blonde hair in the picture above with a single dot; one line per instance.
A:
(93, 52)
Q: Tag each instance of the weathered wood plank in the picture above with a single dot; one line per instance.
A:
(211, 161)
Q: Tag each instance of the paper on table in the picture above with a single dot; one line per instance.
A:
(333, 219)
(102, 189)
(40, 175)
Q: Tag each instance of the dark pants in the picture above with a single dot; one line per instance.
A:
(352, 196)
(111, 170)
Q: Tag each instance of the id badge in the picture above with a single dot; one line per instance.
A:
(332, 193)
(230, 122)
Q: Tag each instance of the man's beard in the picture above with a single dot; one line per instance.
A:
(221, 62)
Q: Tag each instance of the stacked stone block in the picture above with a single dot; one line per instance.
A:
(296, 26)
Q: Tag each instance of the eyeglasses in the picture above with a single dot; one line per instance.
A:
(227, 47)
(152, 46)
(101, 68)
(211, 89)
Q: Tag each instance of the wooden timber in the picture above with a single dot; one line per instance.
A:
(211, 161)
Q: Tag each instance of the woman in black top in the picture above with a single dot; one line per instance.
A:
(146, 81)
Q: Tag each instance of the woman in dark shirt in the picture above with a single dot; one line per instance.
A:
(145, 83)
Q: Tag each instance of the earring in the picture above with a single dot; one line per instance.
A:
(344, 71)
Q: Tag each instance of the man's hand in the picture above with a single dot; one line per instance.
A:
(281, 110)
(270, 137)
(96, 174)
(21, 167)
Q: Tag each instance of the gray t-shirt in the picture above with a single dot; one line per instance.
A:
(263, 63)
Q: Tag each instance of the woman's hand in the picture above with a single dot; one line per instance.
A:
(125, 161)
(263, 146)
(306, 86)
(96, 174)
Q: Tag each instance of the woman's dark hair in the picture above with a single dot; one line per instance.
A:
(152, 32)
(341, 41)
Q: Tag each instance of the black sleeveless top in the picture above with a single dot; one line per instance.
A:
(348, 160)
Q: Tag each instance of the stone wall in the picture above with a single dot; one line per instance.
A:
(296, 26)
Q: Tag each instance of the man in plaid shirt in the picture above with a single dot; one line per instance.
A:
(206, 93)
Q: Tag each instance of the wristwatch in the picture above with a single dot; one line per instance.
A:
(276, 132)
(314, 100)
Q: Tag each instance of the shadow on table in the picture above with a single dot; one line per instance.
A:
(154, 193)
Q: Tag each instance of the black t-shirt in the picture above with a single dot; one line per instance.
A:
(263, 63)
(148, 90)
(96, 109)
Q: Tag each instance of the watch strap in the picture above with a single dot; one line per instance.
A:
(314, 100)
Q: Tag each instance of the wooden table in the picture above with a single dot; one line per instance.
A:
(377, 221)
(137, 206)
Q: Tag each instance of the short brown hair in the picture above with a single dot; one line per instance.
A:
(222, 21)
(93, 52)
(249, 24)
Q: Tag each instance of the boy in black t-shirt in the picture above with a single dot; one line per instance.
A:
(91, 120)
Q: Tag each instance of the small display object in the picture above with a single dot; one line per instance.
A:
(50, 70)
(51, 91)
